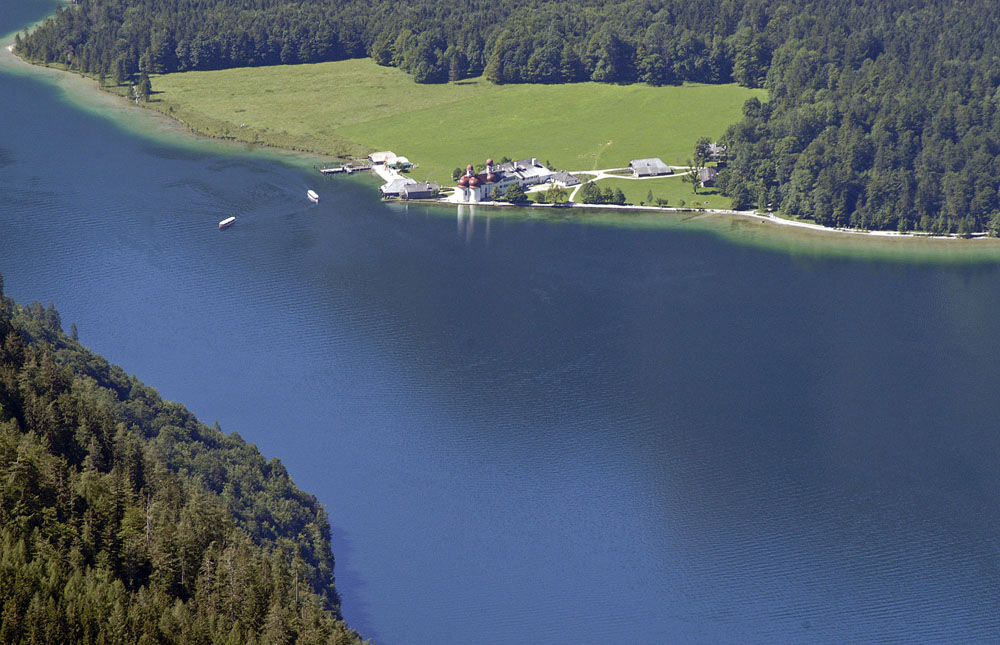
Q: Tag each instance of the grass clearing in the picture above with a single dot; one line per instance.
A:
(351, 107)
(672, 188)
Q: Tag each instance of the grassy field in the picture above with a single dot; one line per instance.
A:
(671, 188)
(352, 107)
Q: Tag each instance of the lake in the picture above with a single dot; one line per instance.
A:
(574, 430)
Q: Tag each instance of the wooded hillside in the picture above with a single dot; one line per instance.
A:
(125, 520)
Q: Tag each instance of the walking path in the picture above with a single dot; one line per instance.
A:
(680, 171)
(771, 217)
(387, 173)
(612, 173)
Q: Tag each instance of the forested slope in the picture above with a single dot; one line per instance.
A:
(125, 520)
(882, 114)
(512, 41)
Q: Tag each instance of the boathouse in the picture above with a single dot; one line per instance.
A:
(396, 187)
(386, 157)
(419, 190)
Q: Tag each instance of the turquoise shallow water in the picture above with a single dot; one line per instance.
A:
(533, 430)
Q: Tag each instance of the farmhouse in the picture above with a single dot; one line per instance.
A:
(564, 179)
(651, 167)
(718, 152)
(707, 176)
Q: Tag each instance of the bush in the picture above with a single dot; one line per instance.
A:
(515, 194)
(556, 194)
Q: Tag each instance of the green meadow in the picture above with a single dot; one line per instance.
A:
(352, 107)
(672, 188)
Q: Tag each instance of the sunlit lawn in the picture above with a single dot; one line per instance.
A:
(673, 188)
(351, 107)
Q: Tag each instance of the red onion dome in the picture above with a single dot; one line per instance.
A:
(491, 178)
(469, 168)
(489, 162)
(463, 181)
(473, 181)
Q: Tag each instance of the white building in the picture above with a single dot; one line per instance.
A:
(479, 187)
(396, 187)
(474, 187)
(529, 172)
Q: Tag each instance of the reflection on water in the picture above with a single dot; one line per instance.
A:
(466, 222)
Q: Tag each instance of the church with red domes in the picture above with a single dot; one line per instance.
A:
(478, 187)
(474, 187)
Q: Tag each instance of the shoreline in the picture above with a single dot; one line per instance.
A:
(84, 93)
(120, 104)
(751, 215)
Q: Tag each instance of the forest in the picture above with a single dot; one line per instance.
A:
(125, 520)
(881, 115)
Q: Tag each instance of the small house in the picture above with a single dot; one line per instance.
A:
(564, 179)
(718, 153)
(708, 176)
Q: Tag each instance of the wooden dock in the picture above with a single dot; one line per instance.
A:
(347, 168)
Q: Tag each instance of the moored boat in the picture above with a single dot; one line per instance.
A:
(226, 222)
(312, 195)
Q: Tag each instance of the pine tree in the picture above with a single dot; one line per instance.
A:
(590, 193)
(144, 88)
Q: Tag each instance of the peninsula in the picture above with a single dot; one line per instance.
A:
(876, 130)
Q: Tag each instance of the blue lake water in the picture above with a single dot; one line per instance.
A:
(539, 431)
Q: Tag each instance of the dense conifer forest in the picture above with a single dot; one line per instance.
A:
(880, 114)
(125, 520)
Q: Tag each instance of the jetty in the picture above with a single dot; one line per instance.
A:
(347, 168)
(390, 167)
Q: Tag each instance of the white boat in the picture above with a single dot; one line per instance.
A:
(226, 222)
(312, 195)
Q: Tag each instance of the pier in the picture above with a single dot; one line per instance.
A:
(386, 165)
(347, 168)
